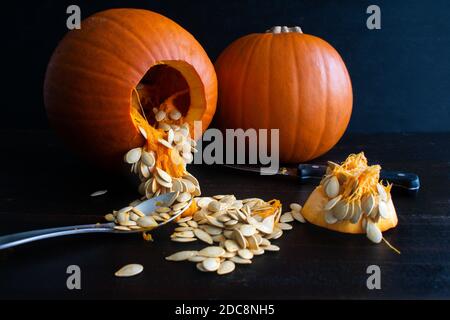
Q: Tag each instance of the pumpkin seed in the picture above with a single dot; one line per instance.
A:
(148, 158)
(196, 259)
(138, 212)
(181, 255)
(184, 234)
(364, 223)
(210, 264)
(192, 224)
(330, 204)
(212, 252)
(146, 222)
(160, 116)
(231, 246)
(212, 230)
(287, 217)
(284, 226)
(179, 206)
(239, 238)
(228, 254)
(275, 234)
(226, 267)
(170, 136)
(332, 187)
(204, 202)
(231, 223)
(185, 219)
(128, 223)
(129, 270)
(245, 254)
(228, 234)
(368, 203)
(122, 228)
(240, 260)
(264, 242)
(110, 217)
(247, 230)
(133, 155)
(252, 242)
(272, 247)
(163, 175)
(298, 216)
(383, 209)
(124, 210)
(214, 206)
(295, 207)
(164, 126)
(330, 218)
(340, 210)
(184, 197)
(351, 208)
(98, 193)
(218, 238)
(382, 192)
(181, 229)
(202, 235)
(183, 239)
(357, 212)
(267, 225)
(258, 252)
(200, 267)
(373, 232)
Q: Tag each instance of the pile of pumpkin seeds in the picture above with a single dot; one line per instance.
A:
(234, 231)
(371, 207)
(131, 218)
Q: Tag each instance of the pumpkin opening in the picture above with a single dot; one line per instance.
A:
(169, 94)
(161, 83)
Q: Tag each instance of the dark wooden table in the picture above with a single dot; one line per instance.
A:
(42, 185)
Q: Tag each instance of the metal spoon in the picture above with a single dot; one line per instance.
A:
(147, 207)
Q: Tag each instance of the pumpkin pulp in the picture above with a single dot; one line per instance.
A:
(167, 86)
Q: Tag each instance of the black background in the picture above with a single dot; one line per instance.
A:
(400, 74)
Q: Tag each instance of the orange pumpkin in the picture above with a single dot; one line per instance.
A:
(93, 74)
(284, 79)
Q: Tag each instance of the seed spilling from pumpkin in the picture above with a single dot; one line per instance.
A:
(351, 199)
(151, 161)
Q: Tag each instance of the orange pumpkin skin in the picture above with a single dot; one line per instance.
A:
(294, 82)
(93, 71)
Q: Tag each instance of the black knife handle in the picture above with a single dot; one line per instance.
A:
(311, 171)
(406, 180)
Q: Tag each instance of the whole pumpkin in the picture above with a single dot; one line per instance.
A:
(94, 72)
(284, 79)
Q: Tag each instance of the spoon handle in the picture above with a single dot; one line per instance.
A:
(16, 239)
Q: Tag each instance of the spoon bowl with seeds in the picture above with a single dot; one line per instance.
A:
(141, 217)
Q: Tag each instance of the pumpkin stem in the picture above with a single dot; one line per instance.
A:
(284, 29)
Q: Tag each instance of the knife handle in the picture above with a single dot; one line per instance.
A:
(310, 171)
(406, 180)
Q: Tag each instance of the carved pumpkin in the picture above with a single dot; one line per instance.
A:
(96, 73)
(287, 80)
